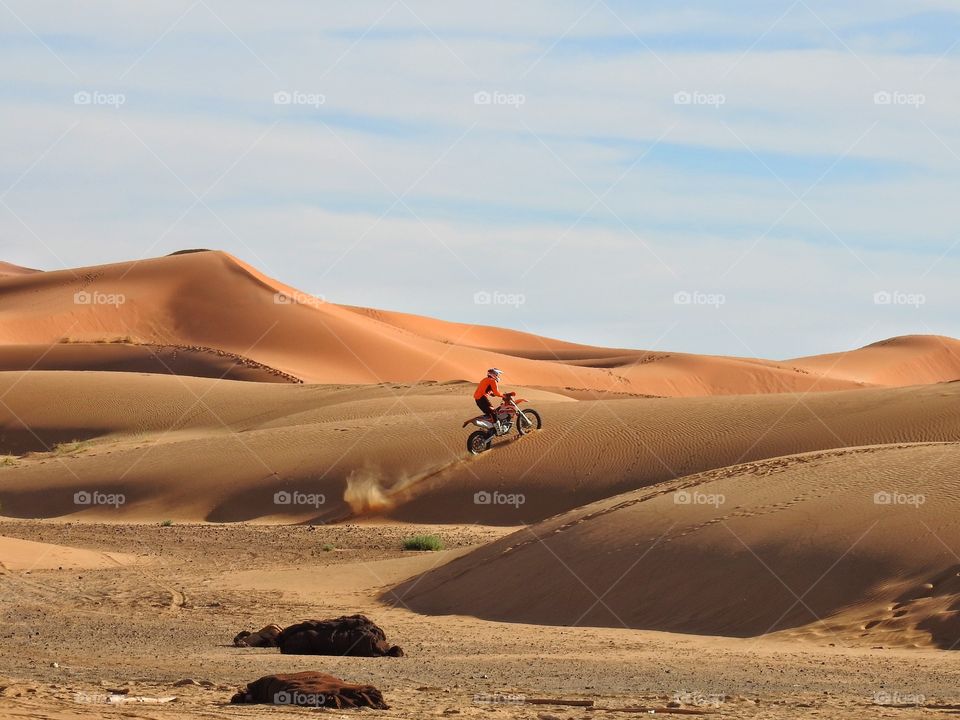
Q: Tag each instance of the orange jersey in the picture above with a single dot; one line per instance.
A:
(487, 386)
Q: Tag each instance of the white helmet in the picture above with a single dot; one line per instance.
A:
(495, 373)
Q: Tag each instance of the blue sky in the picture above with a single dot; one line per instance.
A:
(793, 159)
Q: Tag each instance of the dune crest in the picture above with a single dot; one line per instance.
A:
(9, 269)
(905, 360)
(211, 299)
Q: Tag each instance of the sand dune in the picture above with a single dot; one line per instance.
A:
(120, 356)
(908, 360)
(143, 628)
(121, 400)
(200, 449)
(482, 337)
(213, 300)
(693, 494)
(9, 269)
(21, 555)
(852, 544)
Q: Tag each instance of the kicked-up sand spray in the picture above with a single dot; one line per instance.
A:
(367, 494)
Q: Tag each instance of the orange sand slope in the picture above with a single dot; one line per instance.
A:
(913, 359)
(17, 554)
(122, 356)
(855, 544)
(197, 449)
(9, 269)
(212, 300)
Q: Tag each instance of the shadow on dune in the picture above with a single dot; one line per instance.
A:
(813, 543)
(303, 502)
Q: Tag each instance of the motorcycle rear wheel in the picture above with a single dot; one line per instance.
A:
(477, 442)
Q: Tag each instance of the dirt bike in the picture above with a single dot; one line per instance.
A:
(508, 415)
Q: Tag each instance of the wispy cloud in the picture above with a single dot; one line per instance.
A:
(560, 100)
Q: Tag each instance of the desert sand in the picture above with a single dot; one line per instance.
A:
(214, 300)
(189, 448)
(9, 269)
(859, 536)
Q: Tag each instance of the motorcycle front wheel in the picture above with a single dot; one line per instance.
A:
(528, 421)
(477, 442)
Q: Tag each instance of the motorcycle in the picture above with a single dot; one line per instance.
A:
(508, 415)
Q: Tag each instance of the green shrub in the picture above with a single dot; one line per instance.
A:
(423, 542)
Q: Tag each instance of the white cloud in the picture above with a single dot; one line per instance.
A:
(296, 192)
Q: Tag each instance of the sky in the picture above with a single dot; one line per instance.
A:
(770, 179)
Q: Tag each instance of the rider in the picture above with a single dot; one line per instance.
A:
(488, 386)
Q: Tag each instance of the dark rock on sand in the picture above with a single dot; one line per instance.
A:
(354, 635)
(310, 689)
(265, 637)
